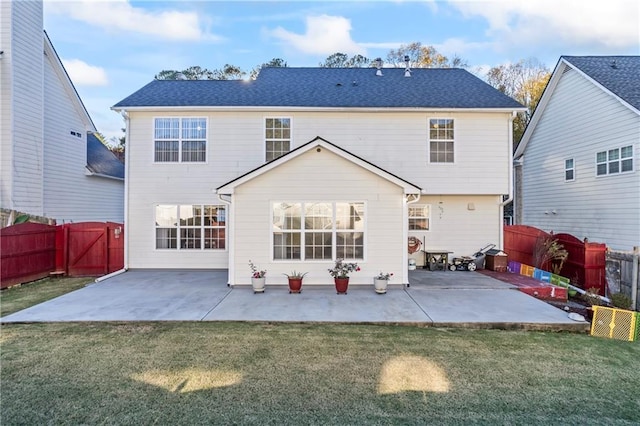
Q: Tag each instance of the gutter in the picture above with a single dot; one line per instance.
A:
(113, 274)
(126, 189)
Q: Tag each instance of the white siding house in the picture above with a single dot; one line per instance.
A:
(48, 157)
(306, 165)
(579, 155)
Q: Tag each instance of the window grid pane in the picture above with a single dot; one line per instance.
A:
(199, 227)
(180, 140)
(277, 137)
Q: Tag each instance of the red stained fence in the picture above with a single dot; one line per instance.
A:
(585, 265)
(27, 253)
(31, 251)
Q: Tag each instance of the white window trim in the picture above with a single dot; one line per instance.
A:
(409, 217)
(202, 227)
(619, 148)
(455, 144)
(333, 231)
(180, 117)
(264, 133)
(567, 169)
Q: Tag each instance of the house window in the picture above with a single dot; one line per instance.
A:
(318, 231)
(613, 161)
(180, 140)
(441, 140)
(277, 137)
(419, 217)
(194, 227)
(569, 170)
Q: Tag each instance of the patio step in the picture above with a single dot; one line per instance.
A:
(529, 285)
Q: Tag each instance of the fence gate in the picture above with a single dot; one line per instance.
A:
(93, 248)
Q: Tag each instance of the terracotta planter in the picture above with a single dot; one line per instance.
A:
(258, 284)
(380, 285)
(295, 285)
(342, 284)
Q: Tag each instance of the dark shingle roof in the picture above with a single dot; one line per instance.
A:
(619, 74)
(102, 161)
(328, 88)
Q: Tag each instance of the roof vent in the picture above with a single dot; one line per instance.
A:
(378, 62)
(407, 70)
(613, 64)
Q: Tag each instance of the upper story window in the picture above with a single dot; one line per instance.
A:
(613, 161)
(419, 217)
(441, 140)
(277, 137)
(180, 140)
(318, 231)
(190, 227)
(569, 170)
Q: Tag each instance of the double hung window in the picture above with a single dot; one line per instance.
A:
(419, 217)
(277, 137)
(180, 140)
(569, 170)
(318, 230)
(441, 140)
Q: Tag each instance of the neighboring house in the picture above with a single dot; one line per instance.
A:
(306, 165)
(579, 154)
(51, 164)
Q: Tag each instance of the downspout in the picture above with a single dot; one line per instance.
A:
(409, 199)
(511, 177)
(231, 276)
(125, 267)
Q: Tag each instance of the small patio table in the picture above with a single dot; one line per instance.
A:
(436, 259)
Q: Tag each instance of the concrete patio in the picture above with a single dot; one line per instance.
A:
(438, 298)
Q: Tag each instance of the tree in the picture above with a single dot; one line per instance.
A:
(274, 63)
(523, 81)
(342, 60)
(228, 72)
(423, 57)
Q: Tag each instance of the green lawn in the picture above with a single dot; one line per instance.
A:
(296, 374)
(21, 297)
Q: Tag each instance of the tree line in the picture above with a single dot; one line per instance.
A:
(524, 81)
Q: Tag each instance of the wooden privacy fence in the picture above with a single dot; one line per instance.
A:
(31, 251)
(585, 265)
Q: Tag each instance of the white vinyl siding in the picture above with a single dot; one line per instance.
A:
(602, 209)
(481, 169)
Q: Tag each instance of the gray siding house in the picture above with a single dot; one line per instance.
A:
(579, 155)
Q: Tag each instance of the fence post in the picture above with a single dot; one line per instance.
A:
(634, 277)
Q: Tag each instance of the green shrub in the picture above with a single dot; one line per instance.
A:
(620, 300)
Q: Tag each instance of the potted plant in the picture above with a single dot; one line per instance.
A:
(295, 281)
(340, 273)
(258, 278)
(381, 281)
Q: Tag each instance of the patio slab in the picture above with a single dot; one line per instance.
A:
(438, 298)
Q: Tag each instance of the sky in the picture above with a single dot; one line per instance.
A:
(111, 48)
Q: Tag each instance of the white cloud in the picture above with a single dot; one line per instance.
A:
(324, 35)
(83, 74)
(120, 16)
(611, 24)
